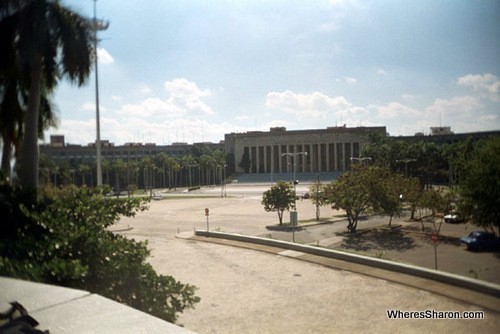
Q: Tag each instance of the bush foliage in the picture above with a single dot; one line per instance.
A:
(61, 237)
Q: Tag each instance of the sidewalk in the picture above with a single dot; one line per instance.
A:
(462, 294)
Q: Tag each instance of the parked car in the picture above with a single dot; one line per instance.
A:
(481, 240)
(157, 197)
(453, 218)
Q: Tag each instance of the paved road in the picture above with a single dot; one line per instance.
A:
(252, 292)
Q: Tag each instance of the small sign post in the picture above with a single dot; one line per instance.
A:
(435, 241)
(207, 214)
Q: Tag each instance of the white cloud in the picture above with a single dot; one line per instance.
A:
(381, 71)
(395, 109)
(183, 88)
(151, 107)
(186, 95)
(355, 111)
(459, 106)
(316, 104)
(487, 84)
(184, 98)
(104, 57)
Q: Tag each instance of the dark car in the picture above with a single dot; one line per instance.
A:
(481, 240)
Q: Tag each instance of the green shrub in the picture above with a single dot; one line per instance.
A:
(62, 238)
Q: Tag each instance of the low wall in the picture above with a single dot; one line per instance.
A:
(440, 276)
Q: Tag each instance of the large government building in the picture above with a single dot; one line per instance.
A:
(301, 151)
(328, 151)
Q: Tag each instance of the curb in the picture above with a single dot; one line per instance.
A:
(439, 276)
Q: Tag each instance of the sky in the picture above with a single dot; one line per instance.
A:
(192, 71)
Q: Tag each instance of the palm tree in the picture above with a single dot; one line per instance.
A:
(106, 167)
(84, 170)
(131, 168)
(147, 165)
(13, 104)
(50, 41)
(161, 161)
(11, 122)
(118, 168)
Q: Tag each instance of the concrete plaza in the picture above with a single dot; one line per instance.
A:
(248, 291)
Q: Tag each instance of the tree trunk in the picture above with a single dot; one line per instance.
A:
(6, 154)
(28, 164)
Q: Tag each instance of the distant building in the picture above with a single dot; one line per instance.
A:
(444, 135)
(258, 152)
(308, 151)
(57, 141)
(441, 130)
(57, 150)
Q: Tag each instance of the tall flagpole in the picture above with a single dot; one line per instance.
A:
(97, 116)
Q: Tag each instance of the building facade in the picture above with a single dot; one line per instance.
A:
(301, 151)
(57, 150)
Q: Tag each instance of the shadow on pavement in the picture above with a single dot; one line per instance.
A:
(378, 240)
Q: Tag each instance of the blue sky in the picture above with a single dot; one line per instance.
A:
(191, 71)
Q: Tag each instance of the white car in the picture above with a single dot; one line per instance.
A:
(452, 218)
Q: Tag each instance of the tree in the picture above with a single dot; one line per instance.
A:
(388, 194)
(11, 123)
(279, 198)
(13, 105)
(412, 194)
(118, 168)
(437, 202)
(316, 195)
(84, 170)
(173, 167)
(354, 192)
(106, 168)
(480, 187)
(457, 155)
(147, 165)
(50, 41)
(245, 162)
(62, 238)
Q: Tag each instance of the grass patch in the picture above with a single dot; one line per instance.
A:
(313, 220)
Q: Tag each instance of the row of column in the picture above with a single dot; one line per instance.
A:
(321, 157)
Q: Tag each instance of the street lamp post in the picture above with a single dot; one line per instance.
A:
(97, 26)
(223, 180)
(406, 161)
(295, 181)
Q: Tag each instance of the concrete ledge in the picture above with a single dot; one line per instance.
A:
(439, 276)
(65, 310)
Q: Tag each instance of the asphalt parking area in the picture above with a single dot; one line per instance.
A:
(410, 246)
